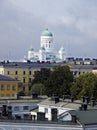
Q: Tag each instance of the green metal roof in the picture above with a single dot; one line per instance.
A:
(31, 49)
(85, 117)
(42, 48)
(47, 33)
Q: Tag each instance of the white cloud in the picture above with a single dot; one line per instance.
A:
(73, 22)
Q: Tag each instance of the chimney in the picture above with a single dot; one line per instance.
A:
(87, 100)
(34, 96)
(56, 99)
(74, 118)
(83, 107)
(83, 99)
(54, 113)
(92, 101)
(72, 99)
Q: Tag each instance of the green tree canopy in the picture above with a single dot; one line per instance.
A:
(60, 81)
(38, 88)
(85, 85)
(42, 75)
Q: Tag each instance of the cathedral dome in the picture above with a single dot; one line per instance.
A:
(31, 49)
(62, 50)
(42, 49)
(47, 33)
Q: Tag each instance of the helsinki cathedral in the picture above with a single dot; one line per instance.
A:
(46, 52)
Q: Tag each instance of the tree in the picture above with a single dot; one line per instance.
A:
(85, 85)
(42, 75)
(60, 81)
(38, 88)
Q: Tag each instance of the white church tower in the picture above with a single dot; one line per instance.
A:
(30, 53)
(62, 54)
(42, 54)
(46, 52)
(47, 40)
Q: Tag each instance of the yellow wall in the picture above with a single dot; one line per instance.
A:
(10, 92)
(20, 76)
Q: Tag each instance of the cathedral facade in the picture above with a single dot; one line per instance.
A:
(46, 52)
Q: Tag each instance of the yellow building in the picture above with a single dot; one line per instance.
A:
(8, 87)
(22, 71)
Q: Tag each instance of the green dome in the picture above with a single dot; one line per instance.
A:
(31, 49)
(47, 33)
(42, 49)
(62, 49)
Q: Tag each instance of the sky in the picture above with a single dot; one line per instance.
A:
(72, 22)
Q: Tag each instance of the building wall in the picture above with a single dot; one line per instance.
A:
(47, 110)
(24, 75)
(20, 109)
(8, 89)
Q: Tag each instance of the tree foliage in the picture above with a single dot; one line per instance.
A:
(41, 76)
(38, 88)
(85, 85)
(60, 81)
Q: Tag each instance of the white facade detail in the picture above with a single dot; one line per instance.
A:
(47, 110)
(46, 52)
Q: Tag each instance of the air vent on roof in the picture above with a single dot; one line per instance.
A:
(72, 99)
(34, 96)
(55, 98)
(93, 103)
(54, 113)
(83, 99)
(83, 107)
(74, 118)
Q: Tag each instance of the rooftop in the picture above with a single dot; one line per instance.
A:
(62, 103)
(6, 78)
(85, 117)
(47, 33)
(67, 104)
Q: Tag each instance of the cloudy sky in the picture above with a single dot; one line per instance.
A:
(72, 22)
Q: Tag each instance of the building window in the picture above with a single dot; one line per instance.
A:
(25, 107)
(8, 87)
(29, 72)
(24, 72)
(16, 108)
(24, 80)
(16, 72)
(7, 95)
(13, 87)
(30, 88)
(8, 72)
(2, 87)
(23, 88)
(30, 80)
